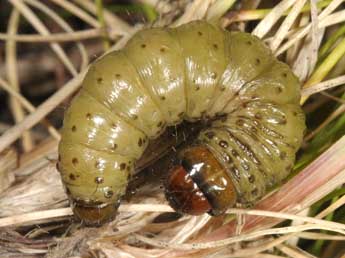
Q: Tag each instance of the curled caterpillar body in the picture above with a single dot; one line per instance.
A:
(164, 76)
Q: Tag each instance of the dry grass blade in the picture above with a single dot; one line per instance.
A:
(304, 31)
(294, 251)
(266, 24)
(236, 239)
(56, 37)
(64, 25)
(78, 12)
(11, 71)
(41, 28)
(286, 25)
(325, 85)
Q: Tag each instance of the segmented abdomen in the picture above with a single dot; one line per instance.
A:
(163, 76)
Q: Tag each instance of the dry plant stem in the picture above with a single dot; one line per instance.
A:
(11, 70)
(316, 236)
(11, 135)
(314, 182)
(56, 37)
(314, 36)
(261, 248)
(330, 96)
(195, 10)
(324, 15)
(339, 203)
(294, 251)
(235, 239)
(64, 25)
(286, 25)
(267, 23)
(326, 66)
(58, 213)
(218, 9)
(41, 28)
(325, 85)
(75, 10)
(26, 104)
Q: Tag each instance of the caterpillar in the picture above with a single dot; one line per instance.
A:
(163, 76)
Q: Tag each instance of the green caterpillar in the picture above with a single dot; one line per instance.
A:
(166, 75)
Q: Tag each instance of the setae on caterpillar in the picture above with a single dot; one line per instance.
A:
(166, 75)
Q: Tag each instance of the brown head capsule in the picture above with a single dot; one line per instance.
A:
(199, 184)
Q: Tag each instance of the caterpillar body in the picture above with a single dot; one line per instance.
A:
(166, 75)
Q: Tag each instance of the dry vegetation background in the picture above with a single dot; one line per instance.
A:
(45, 48)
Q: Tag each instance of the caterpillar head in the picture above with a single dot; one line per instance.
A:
(199, 184)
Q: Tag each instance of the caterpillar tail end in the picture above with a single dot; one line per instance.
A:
(94, 214)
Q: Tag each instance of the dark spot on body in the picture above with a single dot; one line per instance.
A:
(75, 161)
(162, 50)
(143, 45)
(284, 75)
(227, 158)
(99, 180)
(258, 116)
(257, 61)
(279, 90)
(236, 173)
(162, 97)
(249, 43)
(199, 33)
(210, 134)
(74, 128)
(251, 179)
(215, 46)
(245, 166)
(140, 142)
(122, 166)
(108, 193)
(97, 164)
(99, 80)
(118, 75)
(134, 117)
(88, 116)
(223, 144)
(72, 177)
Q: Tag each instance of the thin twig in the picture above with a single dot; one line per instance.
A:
(12, 75)
(41, 28)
